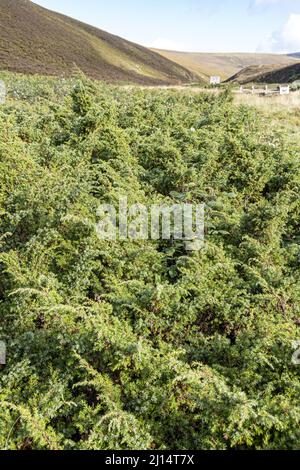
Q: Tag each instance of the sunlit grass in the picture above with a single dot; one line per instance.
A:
(273, 103)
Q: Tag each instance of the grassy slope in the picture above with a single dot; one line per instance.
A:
(225, 65)
(36, 40)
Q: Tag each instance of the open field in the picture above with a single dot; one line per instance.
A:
(270, 104)
(281, 112)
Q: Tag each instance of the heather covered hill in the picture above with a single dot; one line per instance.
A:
(225, 64)
(283, 75)
(268, 74)
(36, 40)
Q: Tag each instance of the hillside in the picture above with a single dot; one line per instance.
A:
(223, 64)
(295, 55)
(265, 74)
(36, 40)
(283, 75)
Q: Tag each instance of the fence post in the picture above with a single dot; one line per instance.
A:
(2, 353)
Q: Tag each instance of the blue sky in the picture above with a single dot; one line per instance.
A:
(194, 25)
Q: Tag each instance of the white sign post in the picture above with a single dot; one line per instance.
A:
(215, 80)
(284, 90)
(2, 92)
(2, 353)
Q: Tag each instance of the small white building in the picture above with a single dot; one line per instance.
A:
(215, 80)
(284, 90)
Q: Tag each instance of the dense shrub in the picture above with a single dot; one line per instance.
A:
(141, 345)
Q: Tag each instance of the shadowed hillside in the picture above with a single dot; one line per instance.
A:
(295, 54)
(36, 40)
(265, 74)
(225, 65)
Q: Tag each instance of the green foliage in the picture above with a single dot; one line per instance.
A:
(140, 345)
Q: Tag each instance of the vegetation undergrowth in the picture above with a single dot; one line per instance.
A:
(142, 345)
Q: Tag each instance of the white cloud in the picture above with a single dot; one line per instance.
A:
(261, 4)
(290, 35)
(164, 43)
(266, 2)
(287, 39)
